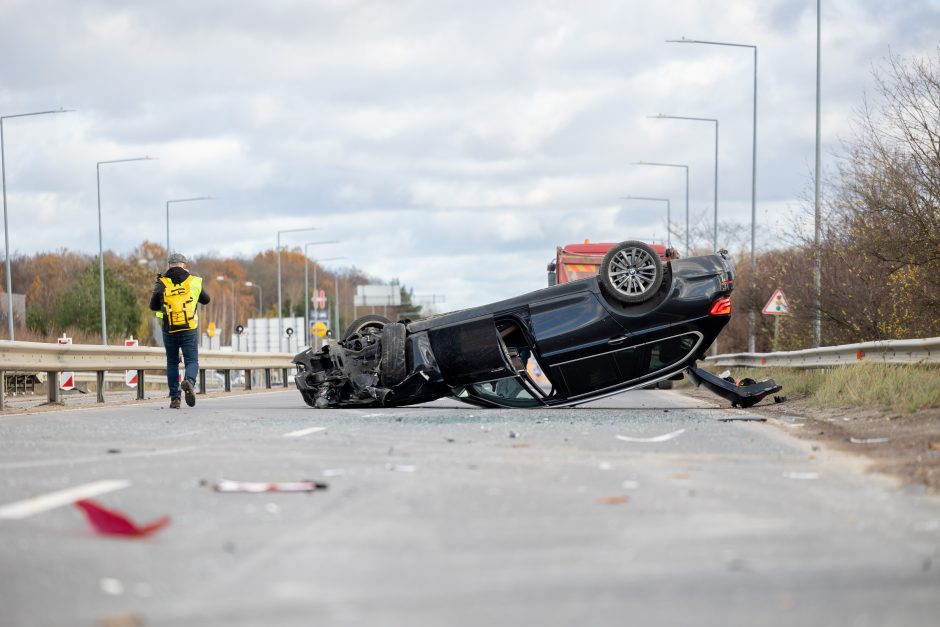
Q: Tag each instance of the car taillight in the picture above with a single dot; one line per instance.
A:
(721, 307)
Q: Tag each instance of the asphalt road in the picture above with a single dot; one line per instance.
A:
(452, 515)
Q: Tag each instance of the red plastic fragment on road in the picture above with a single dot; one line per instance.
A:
(111, 523)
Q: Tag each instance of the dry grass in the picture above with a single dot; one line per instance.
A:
(895, 387)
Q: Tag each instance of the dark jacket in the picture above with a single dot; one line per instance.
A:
(177, 275)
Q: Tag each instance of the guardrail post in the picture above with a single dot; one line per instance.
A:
(247, 383)
(140, 385)
(52, 385)
(267, 378)
(227, 377)
(284, 377)
(99, 379)
(202, 381)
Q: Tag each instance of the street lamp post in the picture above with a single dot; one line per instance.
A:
(677, 165)
(168, 215)
(817, 213)
(668, 213)
(751, 314)
(221, 278)
(104, 318)
(682, 117)
(6, 231)
(307, 289)
(260, 310)
(280, 306)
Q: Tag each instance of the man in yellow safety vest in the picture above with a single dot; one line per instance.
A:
(175, 297)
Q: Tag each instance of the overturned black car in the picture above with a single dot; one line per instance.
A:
(639, 321)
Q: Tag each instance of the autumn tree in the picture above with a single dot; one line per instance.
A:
(884, 231)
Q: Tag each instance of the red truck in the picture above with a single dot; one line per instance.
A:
(580, 261)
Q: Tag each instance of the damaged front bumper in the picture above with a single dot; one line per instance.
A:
(739, 395)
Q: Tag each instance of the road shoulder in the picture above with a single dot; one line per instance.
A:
(904, 446)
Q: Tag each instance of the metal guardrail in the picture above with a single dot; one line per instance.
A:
(55, 358)
(926, 351)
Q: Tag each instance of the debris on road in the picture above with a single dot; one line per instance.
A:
(514, 434)
(113, 451)
(109, 522)
(749, 418)
(400, 467)
(256, 487)
(111, 586)
(613, 500)
(868, 440)
(659, 438)
(121, 620)
(934, 446)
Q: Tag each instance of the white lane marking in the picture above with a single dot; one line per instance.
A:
(96, 458)
(659, 438)
(303, 432)
(371, 415)
(42, 503)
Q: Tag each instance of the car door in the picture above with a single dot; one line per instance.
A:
(576, 338)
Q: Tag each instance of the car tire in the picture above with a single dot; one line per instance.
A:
(631, 272)
(360, 324)
(665, 384)
(393, 368)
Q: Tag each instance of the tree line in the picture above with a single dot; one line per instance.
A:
(62, 290)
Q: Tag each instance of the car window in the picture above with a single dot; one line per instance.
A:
(508, 391)
(645, 359)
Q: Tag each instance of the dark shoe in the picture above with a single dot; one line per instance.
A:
(187, 387)
(174, 403)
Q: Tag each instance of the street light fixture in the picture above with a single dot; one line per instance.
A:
(104, 319)
(677, 165)
(280, 306)
(668, 214)
(315, 262)
(221, 278)
(250, 284)
(751, 314)
(6, 232)
(683, 117)
(168, 215)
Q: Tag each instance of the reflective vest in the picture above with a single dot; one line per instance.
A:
(179, 304)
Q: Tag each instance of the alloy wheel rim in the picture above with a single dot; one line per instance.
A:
(632, 271)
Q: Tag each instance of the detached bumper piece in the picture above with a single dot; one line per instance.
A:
(739, 395)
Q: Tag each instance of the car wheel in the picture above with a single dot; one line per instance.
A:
(631, 272)
(393, 368)
(365, 322)
(665, 384)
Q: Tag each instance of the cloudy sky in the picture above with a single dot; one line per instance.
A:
(450, 144)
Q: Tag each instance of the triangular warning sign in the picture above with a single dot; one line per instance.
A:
(777, 305)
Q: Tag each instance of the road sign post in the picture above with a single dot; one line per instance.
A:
(777, 306)
(66, 379)
(130, 376)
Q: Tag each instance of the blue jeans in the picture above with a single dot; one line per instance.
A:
(188, 342)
